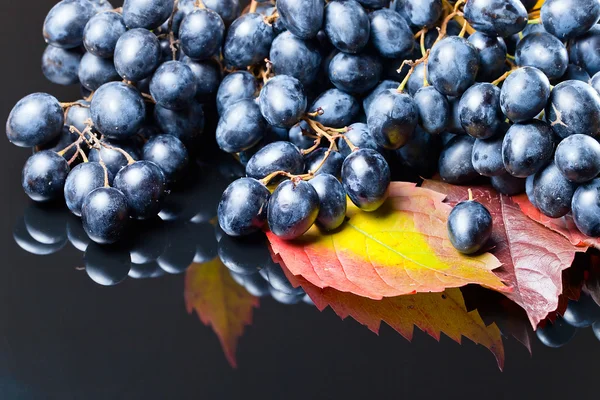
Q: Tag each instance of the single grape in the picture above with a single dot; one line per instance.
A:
(282, 101)
(578, 158)
(569, 18)
(382, 87)
(574, 107)
(582, 50)
(35, 120)
(293, 208)
(117, 110)
(507, 184)
(332, 200)
(366, 177)
(469, 226)
(102, 32)
(332, 166)
(347, 25)
(553, 192)
(143, 183)
(295, 57)
(544, 52)
(574, 72)
(524, 94)
(105, 215)
(187, 125)
(529, 189)
(82, 180)
(95, 71)
(137, 54)
(169, 154)
(173, 85)
(586, 208)
(65, 22)
(147, 14)
(277, 156)
(453, 65)
(236, 86)
(248, 41)
(240, 127)
(556, 334)
(455, 164)
(44, 176)
(102, 5)
(433, 109)
(392, 119)
(422, 13)
(583, 312)
(208, 78)
(496, 17)
(354, 73)
(492, 55)
(359, 136)
(454, 125)
(303, 19)
(114, 159)
(107, 265)
(479, 111)
(390, 34)
(417, 80)
(527, 147)
(338, 109)
(243, 207)
(487, 156)
(60, 66)
(229, 10)
(421, 153)
(201, 34)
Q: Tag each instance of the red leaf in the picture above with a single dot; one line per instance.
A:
(533, 257)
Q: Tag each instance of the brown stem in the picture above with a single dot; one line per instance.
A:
(73, 158)
(413, 65)
(69, 147)
(103, 165)
(253, 6)
(148, 98)
(502, 77)
(200, 4)
(314, 146)
(70, 104)
(82, 154)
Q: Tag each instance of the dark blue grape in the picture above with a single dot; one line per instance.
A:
(544, 52)
(347, 25)
(556, 334)
(44, 176)
(383, 86)
(60, 66)
(303, 19)
(359, 136)
(453, 65)
(147, 14)
(569, 18)
(507, 184)
(479, 111)
(582, 313)
(243, 207)
(102, 32)
(332, 201)
(455, 164)
(248, 41)
(95, 71)
(169, 154)
(392, 119)
(469, 226)
(421, 153)
(422, 13)
(527, 148)
(173, 85)
(241, 126)
(77, 114)
(453, 29)
(65, 22)
(366, 177)
(390, 34)
(582, 50)
(282, 101)
(338, 109)
(492, 55)
(105, 215)
(487, 156)
(276, 156)
(236, 86)
(529, 189)
(36, 119)
(293, 208)
(208, 77)
(201, 34)
(102, 5)
(553, 192)
(433, 109)
(578, 158)
(61, 142)
(187, 125)
(137, 54)
(114, 159)
(354, 73)
(586, 208)
(496, 17)
(118, 110)
(299, 135)
(295, 57)
(574, 107)
(454, 125)
(524, 94)
(332, 166)
(82, 180)
(575, 72)
(143, 183)
(229, 10)
(417, 79)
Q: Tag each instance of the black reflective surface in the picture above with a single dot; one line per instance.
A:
(64, 336)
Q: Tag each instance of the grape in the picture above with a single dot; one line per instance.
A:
(556, 334)
(277, 156)
(241, 126)
(455, 164)
(102, 5)
(574, 107)
(390, 34)
(366, 177)
(143, 183)
(582, 50)
(569, 18)
(544, 52)
(114, 159)
(453, 65)
(529, 189)
(102, 32)
(527, 147)
(44, 175)
(338, 109)
(454, 125)
(421, 152)
(552, 192)
(137, 54)
(173, 85)
(303, 19)
(295, 57)
(583, 312)
(332, 166)
(578, 158)
(524, 94)
(148, 14)
(469, 226)
(117, 110)
(248, 41)
(105, 215)
(479, 111)
(236, 86)
(36, 119)
(187, 125)
(496, 17)
(243, 207)
(229, 10)
(60, 66)
(65, 22)
(61, 142)
(507, 184)
(575, 72)
(347, 25)
(422, 13)
(83, 179)
(298, 135)
(433, 109)
(244, 255)
(282, 101)
(586, 208)
(487, 156)
(77, 114)
(354, 73)
(95, 71)
(169, 154)
(382, 87)
(492, 55)
(107, 265)
(208, 77)
(417, 80)
(201, 34)
(293, 209)
(452, 29)
(359, 136)
(392, 119)
(332, 201)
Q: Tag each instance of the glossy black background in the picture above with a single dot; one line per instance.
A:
(64, 337)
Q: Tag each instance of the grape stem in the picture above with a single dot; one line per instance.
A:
(502, 77)
(82, 154)
(148, 98)
(73, 158)
(534, 21)
(272, 18)
(69, 147)
(199, 4)
(68, 105)
(172, 41)
(103, 165)
(463, 30)
(470, 194)
(253, 6)
(412, 65)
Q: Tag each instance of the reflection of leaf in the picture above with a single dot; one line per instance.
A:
(220, 302)
(533, 257)
(402, 248)
(433, 313)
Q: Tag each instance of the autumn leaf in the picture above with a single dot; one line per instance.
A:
(402, 248)
(220, 302)
(533, 257)
(433, 313)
